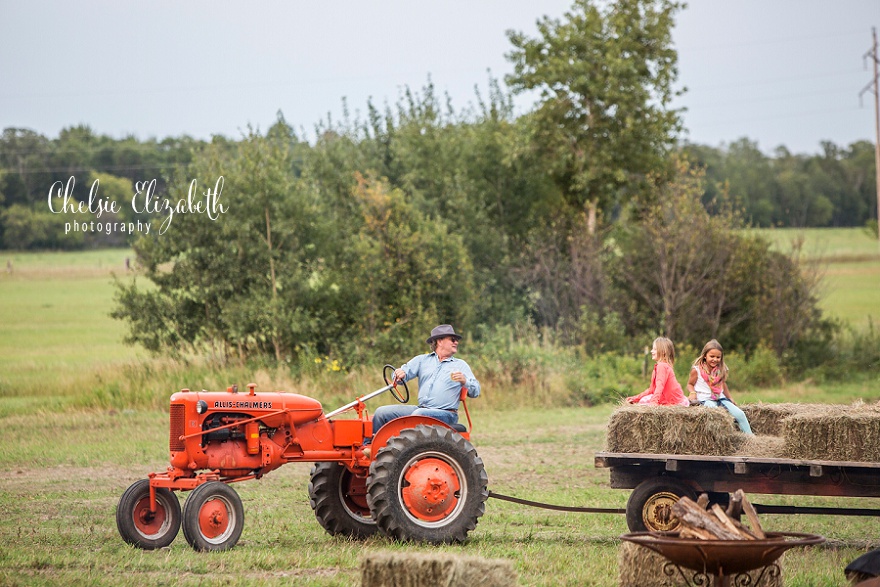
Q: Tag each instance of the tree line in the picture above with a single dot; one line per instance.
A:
(583, 218)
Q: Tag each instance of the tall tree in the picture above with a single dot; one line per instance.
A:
(605, 75)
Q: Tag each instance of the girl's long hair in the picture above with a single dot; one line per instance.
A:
(665, 350)
(712, 345)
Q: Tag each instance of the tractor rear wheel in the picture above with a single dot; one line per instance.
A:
(339, 499)
(138, 525)
(213, 517)
(427, 484)
(649, 508)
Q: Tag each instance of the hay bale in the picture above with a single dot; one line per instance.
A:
(840, 433)
(673, 430)
(767, 447)
(406, 569)
(767, 418)
(642, 567)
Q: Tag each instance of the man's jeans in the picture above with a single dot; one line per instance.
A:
(385, 414)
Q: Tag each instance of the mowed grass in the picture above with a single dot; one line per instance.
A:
(849, 261)
(58, 493)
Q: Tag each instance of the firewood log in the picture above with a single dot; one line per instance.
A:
(752, 516)
(692, 515)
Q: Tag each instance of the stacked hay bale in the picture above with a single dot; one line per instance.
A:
(792, 431)
(765, 447)
(642, 567)
(766, 419)
(838, 433)
(411, 569)
(673, 430)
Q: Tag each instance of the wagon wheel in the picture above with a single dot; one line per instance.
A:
(427, 484)
(649, 507)
(138, 525)
(339, 499)
(213, 517)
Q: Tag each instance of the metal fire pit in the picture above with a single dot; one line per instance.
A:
(722, 559)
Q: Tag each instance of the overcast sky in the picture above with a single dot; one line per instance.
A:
(780, 72)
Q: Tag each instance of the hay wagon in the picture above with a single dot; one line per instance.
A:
(659, 480)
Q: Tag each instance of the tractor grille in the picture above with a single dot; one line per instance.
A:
(178, 418)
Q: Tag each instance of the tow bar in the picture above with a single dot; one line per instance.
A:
(559, 508)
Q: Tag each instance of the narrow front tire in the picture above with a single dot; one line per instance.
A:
(144, 528)
(213, 517)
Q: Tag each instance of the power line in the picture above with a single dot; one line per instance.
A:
(874, 87)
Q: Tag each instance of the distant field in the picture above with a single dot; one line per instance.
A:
(849, 259)
(825, 243)
(54, 317)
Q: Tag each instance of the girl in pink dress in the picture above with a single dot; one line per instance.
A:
(665, 389)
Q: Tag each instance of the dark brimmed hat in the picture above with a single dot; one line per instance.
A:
(443, 331)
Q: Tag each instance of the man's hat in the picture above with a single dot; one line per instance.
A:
(442, 331)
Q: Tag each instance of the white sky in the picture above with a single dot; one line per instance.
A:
(780, 72)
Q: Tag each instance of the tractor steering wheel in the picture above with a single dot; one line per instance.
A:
(394, 391)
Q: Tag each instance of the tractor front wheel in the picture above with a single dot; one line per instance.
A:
(144, 528)
(339, 499)
(427, 484)
(649, 507)
(213, 517)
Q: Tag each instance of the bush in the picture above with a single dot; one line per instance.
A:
(605, 378)
(761, 369)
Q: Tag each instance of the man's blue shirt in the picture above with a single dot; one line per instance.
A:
(436, 389)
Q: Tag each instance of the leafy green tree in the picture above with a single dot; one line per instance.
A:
(693, 276)
(217, 276)
(605, 75)
(27, 227)
(22, 153)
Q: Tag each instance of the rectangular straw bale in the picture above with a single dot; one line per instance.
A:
(642, 567)
(841, 433)
(419, 569)
(767, 447)
(673, 430)
(767, 418)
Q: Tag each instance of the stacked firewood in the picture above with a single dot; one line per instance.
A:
(715, 523)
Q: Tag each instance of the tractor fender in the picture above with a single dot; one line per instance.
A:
(393, 428)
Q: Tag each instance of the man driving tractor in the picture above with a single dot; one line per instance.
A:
(441, 377)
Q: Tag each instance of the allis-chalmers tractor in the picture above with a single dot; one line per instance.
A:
(418, 479)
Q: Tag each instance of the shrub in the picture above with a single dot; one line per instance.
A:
(761, 369)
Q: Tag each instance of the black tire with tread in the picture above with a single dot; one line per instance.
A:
(200, 496)
(387, 472)
(132, 500)
(662, 490)
(337, 514)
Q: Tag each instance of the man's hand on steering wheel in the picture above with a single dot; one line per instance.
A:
(398, 376)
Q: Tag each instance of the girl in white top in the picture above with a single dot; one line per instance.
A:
(707, 384)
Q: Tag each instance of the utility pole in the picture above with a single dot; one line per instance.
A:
(874, 87)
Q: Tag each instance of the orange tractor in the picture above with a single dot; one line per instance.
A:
(418, 479)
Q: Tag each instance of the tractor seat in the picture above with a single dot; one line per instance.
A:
(458, 427)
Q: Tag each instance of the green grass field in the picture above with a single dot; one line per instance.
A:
(849, 260)
(64, 467)
(59, 497)
(54, 317)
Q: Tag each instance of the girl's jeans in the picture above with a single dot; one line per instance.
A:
(738, 415)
